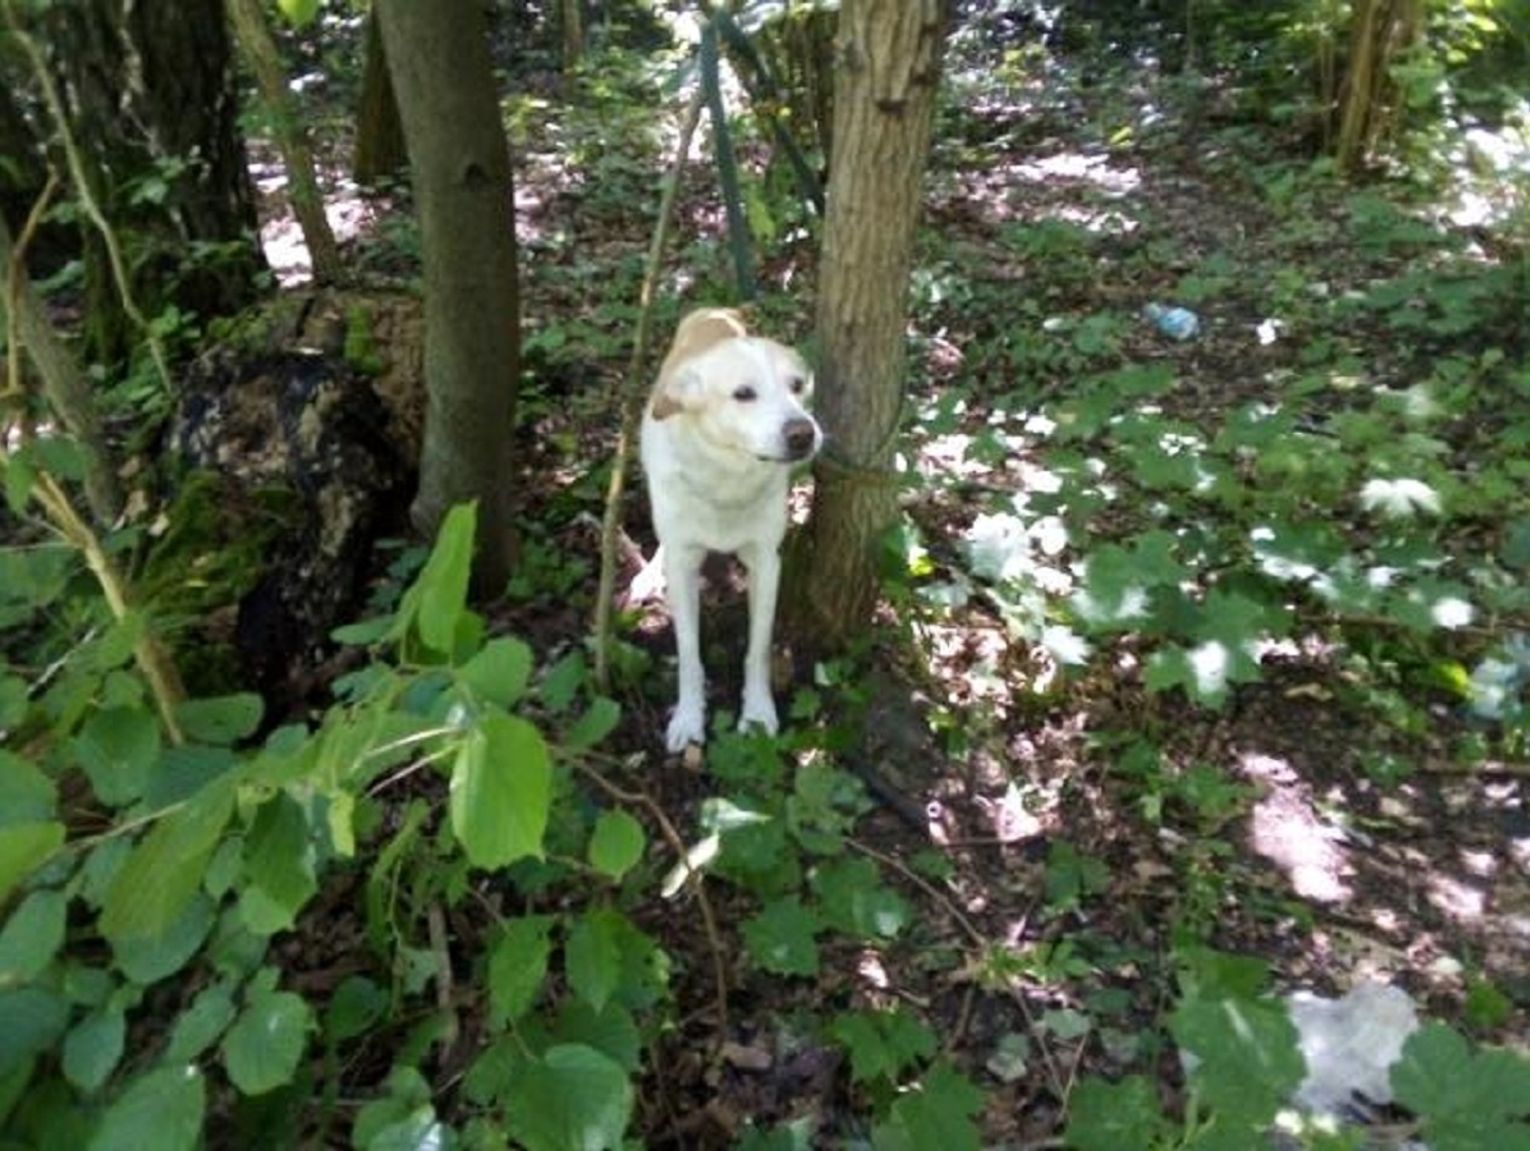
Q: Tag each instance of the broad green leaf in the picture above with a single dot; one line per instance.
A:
(27, 796)
(147, 959)
(32, 936)
(1468, 1100)
(855, 901)
(1249, 1060)
(611, 1031)
(262, 1049)
(420, 1130)
(357, 1004)
(1105, 1116)
(199, 1026)
(444, 582)
(407, 1094)
(592, 955)
(118, 747)
(594, 725)
(616, 844)
(222, 720)
(93, 1048)
(780, 938)
(299, 13)
(882, 1044)
(13, 701)
(364, 633)
(499, 673)
(936, 1116)
(518, 966)
(571, 1099)
(501, 790)
(165, 869)
(23, 847)
(162, 1110)
(31, 1021)
(279, 864)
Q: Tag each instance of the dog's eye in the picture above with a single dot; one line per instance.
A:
(796, 384)
(744, 393)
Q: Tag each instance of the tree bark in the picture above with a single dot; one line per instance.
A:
(888, 70)
(150, 91)
(572, 12)
(254, 34)
(438, 55)
(380, 151)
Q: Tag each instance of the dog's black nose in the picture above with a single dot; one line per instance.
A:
(801, 436)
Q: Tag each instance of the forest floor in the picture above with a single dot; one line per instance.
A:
(1333, 810)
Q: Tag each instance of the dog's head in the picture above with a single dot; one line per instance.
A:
(746, 394)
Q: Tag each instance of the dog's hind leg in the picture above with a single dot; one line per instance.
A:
(764, 566)
(682, 574)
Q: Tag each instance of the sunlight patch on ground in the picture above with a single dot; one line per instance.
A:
(1457, 899)
(1286, 829)
(349, 215)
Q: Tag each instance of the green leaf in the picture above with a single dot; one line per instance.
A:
(26, 794)
(594, 725)
(13, 701)
(279, 865)
(364, 633)
(23, 847)
(93, 1048)
(262, 1049)
(357, 1004)
(501, 790)
(199, 1026)
(31, 1021)
(780, 938)
(562, 681)
(572, 1099)
(165, 869)
(616, 844)
(593, 956)
(147, 959)
(222, 720)
(1105, 1116)
(499, 673)
(162, 1109)
(32, 936)
(1469, 1101)
(518, 966)
(611, 1031)
(1249, 1060)
(937, 1116)
(299, 13)
(444, 582)
(856, 902)
(117, 748)
(882, 1044)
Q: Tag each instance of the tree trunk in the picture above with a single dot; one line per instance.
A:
(151, 96)
(380, 151)
(884, 103)
(254, 36)
(573, 33)
(438, 55)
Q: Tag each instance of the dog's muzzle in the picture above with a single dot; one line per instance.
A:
(800, 435)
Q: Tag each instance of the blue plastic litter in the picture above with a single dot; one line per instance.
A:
(1175, 322)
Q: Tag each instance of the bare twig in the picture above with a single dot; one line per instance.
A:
(631, 397)
(435, 920)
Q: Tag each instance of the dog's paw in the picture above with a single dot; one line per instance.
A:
(759, 712)
(687, 726)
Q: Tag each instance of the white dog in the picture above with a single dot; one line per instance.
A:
(722, 430)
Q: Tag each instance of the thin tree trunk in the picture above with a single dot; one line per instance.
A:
(573, 33)
(254, 35)
(380, 151)
(64, 386)
(884, 103)
(438, 55)
(1358, 89)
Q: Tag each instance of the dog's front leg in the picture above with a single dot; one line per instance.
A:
(682, 574)
(764, 566)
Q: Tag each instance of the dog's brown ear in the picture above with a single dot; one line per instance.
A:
(677, 389)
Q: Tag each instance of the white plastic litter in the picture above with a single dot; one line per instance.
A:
(1350, 1045)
